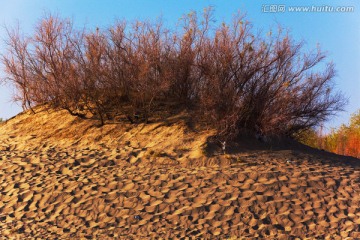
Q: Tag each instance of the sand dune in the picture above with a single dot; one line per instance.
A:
(152, 186)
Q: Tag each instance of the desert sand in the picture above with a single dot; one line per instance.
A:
(64, 178)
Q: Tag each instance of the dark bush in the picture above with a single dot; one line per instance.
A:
(225, 75)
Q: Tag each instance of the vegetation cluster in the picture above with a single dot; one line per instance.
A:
(344, 140)
(227, 76)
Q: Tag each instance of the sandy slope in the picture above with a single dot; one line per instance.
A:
(61, 177)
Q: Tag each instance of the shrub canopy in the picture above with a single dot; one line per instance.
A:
(224, 74)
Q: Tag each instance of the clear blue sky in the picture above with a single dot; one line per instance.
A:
(338, 33)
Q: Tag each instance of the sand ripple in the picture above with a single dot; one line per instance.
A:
(98, 195)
